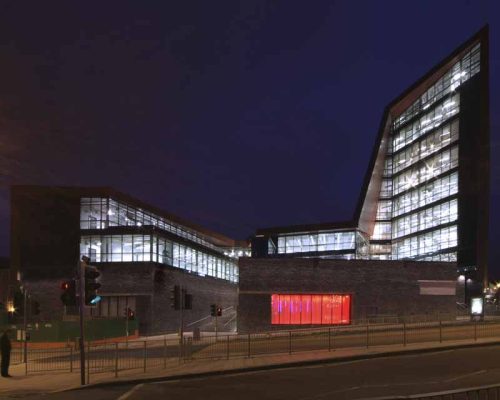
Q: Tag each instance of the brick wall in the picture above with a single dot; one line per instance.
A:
(151, 285)
(377, 287)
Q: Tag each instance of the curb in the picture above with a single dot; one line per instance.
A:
(284, 365)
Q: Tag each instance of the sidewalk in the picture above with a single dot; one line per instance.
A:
(58, 381)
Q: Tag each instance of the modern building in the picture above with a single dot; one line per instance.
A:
(425, 199)
(141, 251)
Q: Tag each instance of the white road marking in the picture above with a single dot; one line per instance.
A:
(456, 378)
(126, 395)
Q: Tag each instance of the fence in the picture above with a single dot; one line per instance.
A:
(145, 355)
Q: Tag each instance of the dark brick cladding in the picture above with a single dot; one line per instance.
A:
(151, 285)
(378, 287)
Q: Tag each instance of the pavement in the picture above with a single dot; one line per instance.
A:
(50, 382)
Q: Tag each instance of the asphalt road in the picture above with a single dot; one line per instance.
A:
(400, 375)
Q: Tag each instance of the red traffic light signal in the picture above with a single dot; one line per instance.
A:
(219, 311)
(129, 314)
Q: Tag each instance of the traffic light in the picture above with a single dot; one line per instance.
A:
(129, 314)
(91, 275)
(68, 297)
(213, 310)
(35, 308)
(188, 301)
(18, 302)
(175, 297)
(219, 311)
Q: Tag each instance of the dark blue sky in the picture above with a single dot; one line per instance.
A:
(235, 115)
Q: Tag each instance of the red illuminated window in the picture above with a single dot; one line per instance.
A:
(314, 309)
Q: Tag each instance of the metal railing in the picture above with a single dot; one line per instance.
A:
(145, 355)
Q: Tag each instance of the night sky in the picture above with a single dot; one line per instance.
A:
(235, 115)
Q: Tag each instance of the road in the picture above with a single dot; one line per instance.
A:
(398, 375)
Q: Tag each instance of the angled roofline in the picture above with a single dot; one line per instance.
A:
(106, 191)
(397, 105)
(410, 95)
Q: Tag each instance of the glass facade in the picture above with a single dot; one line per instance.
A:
(317, 242)
(310, 309)
(461, 71)
(153, 248)
(417, 210)
(103, 213)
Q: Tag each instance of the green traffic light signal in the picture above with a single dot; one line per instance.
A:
(91, 274)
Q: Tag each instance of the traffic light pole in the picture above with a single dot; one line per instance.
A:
(216, 327)
(81, 273)
(126, 319)
(181, 339)
(25, 318)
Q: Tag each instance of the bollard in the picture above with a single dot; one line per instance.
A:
(70, 359)
(475, 331)
(145, 359)
(404, 334)
(367, 336)
(290, 342)
(116, 359)
(227, 355)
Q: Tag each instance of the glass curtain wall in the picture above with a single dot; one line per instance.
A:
(424, 178)
(102, 213)
(154, 248)
(317, 242)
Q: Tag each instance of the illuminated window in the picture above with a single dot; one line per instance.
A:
(140, 248)
(426, 244)
(465, 68)
(315, 309)
(316, 241)
(382, 231)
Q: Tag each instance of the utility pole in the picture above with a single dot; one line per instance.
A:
(81, 288)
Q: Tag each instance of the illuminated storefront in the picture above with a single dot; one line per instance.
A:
(310, 309)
